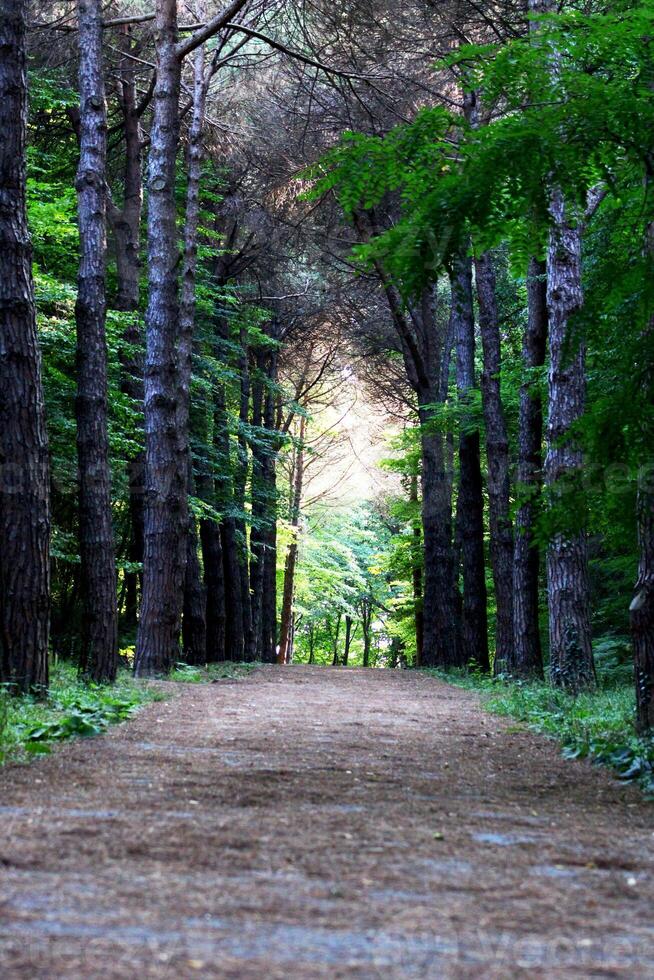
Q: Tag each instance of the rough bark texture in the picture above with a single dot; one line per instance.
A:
(166, 511)
(99, 650)
(497, 451)
(269, 581)
(263, 497)
(527, 654)
(125, 224)
(470, 501)
(571, 655)
(423, 341)
(24, 487)
(194, 637)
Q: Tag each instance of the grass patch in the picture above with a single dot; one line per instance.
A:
(72, 708)
(597, 726)
(211, 672)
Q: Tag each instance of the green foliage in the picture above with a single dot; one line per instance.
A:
(71, 708)
(227, 671)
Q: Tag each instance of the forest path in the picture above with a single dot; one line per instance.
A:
(311, 822)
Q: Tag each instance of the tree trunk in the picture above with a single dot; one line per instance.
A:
(337, 633)
(166, 509)
(291, 557)
(24, 483)
(260, 511)
(194, 636)
(240, 484)
(497, 450)
(571, 654)
(349, 633)
(125, 223)
(99, 650)
(268, 502)
(527, 655)
(366, 622)
(641, 610)
(470, 500)
(441, 644)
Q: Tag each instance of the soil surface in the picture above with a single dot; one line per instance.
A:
(312, 822)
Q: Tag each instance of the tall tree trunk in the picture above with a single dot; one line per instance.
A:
(291, 556)
(527, 655)
(24, 483)
(571, 654)
(470, 500)
(166, 508)
(337, 633)
(442, 642)
(497, 450)
(194, 638)
(366, 622)
(641, 610)
(240, 484)
(349, 633)
(269, 544)
(99, 653)
(125, 223)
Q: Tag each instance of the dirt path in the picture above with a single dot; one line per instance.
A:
(308, 823)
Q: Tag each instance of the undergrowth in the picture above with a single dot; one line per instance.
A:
(598, 726)
(212, 672)
(71, 708)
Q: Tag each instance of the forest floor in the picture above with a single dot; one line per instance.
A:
(311, 822)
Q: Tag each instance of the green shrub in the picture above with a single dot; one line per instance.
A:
(72, 708)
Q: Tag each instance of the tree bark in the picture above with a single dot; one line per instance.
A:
(497, 450)
(349, 633)
(99, 651)
(291, 556)
(194, 638)
(337, 633)
(240, 484)
(366, 622)
(571, 654)
(166, 509)
(527, 655)
(125, 223)
(470, 501)
(641, 610)
(24, 482)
